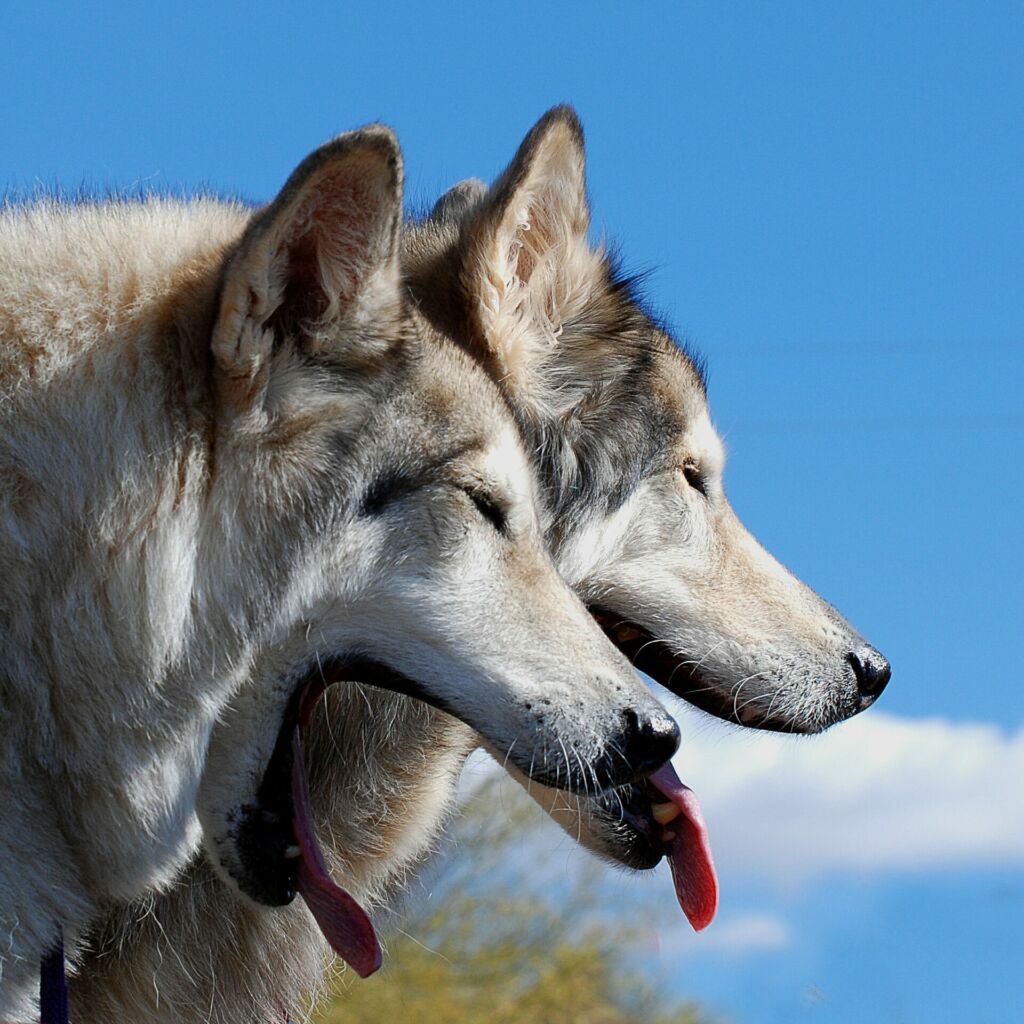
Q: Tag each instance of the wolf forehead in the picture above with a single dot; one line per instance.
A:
(445, 422)
(614, 404)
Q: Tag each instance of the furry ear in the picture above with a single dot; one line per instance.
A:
(319, 266)
(456, 203)
(528, 266)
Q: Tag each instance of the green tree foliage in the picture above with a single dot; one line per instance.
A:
(490, 946)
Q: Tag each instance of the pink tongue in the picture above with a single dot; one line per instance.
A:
(689, 853)
(343, 922)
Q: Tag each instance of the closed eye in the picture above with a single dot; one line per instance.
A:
(490, 508)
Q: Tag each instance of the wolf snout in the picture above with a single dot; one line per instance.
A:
(648, 741)
(872, 671)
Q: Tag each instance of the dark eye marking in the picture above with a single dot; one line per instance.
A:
(490, 508)
(695, 478)
(386, 488)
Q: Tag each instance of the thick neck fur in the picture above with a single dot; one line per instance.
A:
(122, 499)
(383, 772)
(99, 490)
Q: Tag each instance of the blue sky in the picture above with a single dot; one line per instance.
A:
(828, 198)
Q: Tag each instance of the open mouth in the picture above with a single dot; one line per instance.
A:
(681, 673)
(266, 833)
(660, 817)
(280, 855)
(278, 850)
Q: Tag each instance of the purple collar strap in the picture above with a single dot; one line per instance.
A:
(53, 986)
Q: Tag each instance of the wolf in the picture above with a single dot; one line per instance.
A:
(616, 420)
(233, 450)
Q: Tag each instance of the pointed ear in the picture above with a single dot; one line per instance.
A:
(318, 267)
(456, 203)
(528, 266)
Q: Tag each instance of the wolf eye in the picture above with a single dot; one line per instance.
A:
(490, 509)
(695, 479)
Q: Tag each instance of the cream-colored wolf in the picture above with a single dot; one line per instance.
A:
(230, 450)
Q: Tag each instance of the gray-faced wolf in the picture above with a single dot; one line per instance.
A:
(616, 420)
(231, 450)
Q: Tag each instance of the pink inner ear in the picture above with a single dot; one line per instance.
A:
(536, 242)
(337, 240)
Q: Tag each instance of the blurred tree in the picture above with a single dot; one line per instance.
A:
(490, 947)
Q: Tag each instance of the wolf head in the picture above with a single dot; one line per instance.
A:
(399, 486)
(617, 415)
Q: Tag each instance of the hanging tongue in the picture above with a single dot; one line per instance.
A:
(349, 930)
(343, 922)
(689, 851)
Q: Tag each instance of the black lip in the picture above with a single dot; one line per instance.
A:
(631, 836)
(679, 673)
(605, 771)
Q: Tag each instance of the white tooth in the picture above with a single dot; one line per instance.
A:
(291, 852)
(664, 813)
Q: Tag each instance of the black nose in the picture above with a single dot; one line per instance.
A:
(872, 670)
(648, 744)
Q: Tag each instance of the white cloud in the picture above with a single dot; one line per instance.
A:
(876, 793)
